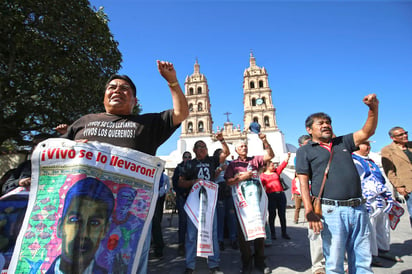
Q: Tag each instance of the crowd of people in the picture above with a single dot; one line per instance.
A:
(243, 196)
(353, 228)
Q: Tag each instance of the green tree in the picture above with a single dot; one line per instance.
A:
(55, 57)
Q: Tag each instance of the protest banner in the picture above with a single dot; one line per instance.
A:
(200, 208)
(12, 210)
(250, 202)
(89, 209)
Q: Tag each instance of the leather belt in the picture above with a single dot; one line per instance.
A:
(351, 202)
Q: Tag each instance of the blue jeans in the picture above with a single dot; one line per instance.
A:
(408, 199)
(180, 203)
(346, 228)
(191, 241)
(226, 211)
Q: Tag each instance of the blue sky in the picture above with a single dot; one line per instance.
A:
(320, 56)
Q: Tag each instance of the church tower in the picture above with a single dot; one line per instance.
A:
(199, 123)
(258, 105)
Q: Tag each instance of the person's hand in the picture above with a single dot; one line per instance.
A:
(219, 136)
(25, 182)
(262, 136)
(289, 155)
(402, 191)
(167, 70)
(314, 221)
(245, 175)
(371, 101)
(62, 128)
(222, 168)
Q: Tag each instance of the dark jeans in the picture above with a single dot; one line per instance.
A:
(226, 211)
(180, 203)
(277, 201)
(246, 252)
(157, 236)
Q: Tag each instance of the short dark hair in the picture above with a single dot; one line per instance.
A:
(40, 138)
(185, 153)
(123, 77)
(217, 152)
(318, 115)
(198, 142)
(90, 188)
(392, 130)
(303, 138)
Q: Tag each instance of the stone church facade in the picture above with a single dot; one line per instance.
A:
(258, 107)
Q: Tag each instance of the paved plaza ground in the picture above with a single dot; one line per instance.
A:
(283, 256)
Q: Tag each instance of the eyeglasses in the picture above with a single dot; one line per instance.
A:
(401, 134)
(187, 157)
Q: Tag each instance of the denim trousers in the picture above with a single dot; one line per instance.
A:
(346, 228)
(191, 245)
(226, 211)
(180, 203)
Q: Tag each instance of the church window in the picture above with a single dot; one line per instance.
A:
(253, 102)
(191, 107)
(261, 83)
(266, 120)
(199, 90)
(190, 127)
(190, 91)
(264, 100)
(200, 126)
(255, 119)
(252, 84)
(199, 107)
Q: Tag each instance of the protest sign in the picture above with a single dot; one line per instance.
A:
(200, 208)
(12, 210)
(89, 209)
(250, 202)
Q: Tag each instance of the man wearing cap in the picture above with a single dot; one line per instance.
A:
(236, 172)
(87, 208)
(397, 164)
(344, 221)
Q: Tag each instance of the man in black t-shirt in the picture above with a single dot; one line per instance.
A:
(345, 219)
(203, 167)
(119, 127)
